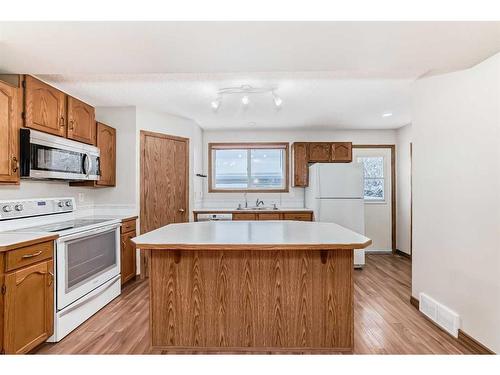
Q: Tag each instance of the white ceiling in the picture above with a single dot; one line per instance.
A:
(329, 74)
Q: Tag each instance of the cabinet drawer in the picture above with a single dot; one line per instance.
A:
(300, 216)
(28, 255)
(128, 226)
(243, 216)
(269, 216)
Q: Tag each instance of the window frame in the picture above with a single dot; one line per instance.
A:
(383, 178)
(246, 146)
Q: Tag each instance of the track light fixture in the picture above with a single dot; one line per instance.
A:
(245, 91)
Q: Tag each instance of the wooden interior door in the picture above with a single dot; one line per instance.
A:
(45, 108)
(29, 307)
(164, 183)
(81, 121)
(9, 130)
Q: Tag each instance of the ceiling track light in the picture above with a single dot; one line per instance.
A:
(246, 90)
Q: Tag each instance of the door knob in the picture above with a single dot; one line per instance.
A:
(181, 209)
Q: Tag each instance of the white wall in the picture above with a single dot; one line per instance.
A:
(456, 185)
(295, 197)
(403, 139)
(178, 126)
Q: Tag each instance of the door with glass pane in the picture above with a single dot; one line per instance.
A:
(377, 195)
(84, 262)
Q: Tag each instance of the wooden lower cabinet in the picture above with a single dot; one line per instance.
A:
(279, 215)
(27, 304)
(127, 250)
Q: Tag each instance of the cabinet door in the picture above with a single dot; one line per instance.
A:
(106, 141)
(269, 216)
(29, 307)
(243, 216)
(9, 134)
(342, 152)
(300, 164)
(45, 108)
(319, 152)
(81, 121)
(128, 257)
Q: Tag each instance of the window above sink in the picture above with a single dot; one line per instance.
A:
(248, 167)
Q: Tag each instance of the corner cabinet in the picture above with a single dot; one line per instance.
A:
(9, 134)
(317, 152)
(45, 107)
(81, 121)
(27, 300)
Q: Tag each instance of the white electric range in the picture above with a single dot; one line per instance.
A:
(86, 254)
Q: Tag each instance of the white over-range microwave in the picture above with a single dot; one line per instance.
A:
(46, 156)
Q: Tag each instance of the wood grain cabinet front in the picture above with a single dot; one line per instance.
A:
(127, 250)
(45, 107)
(319, 152)
(9, 134)
(342, 152)
(300, 164)
(243, 216)
(81, 121)
(106, 142)
(28, 307)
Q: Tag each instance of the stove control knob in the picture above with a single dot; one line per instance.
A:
(19, 207)
(60, 204)
(68, 203)
(7, 208)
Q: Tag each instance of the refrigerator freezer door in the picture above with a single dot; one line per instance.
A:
(339, 180)
(349, 213)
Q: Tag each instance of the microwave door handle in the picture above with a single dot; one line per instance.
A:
(86, 164)
(89, 159)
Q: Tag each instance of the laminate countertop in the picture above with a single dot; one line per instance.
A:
(11, 241)
(252, 235)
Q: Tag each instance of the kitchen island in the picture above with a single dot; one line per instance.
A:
(250, 286)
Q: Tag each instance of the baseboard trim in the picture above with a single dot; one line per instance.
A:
(463, 338)
(415, 302)
(403, 254)
(472, 344)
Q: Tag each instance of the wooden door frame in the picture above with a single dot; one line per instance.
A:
(411, 199)
(393, 188)
(143, 135)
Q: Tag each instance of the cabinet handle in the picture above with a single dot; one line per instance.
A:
(51, 280)
(32, 255)
(61, 122)
(15, 164)
(71, 125)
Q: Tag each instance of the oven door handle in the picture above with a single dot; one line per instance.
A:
(89, 233)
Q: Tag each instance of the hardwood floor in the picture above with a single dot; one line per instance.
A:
(384, 320)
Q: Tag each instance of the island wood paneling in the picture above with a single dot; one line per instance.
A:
(236, 301)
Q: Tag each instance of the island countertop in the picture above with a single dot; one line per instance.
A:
(252, 235)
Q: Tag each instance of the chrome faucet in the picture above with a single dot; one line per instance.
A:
(259, 202)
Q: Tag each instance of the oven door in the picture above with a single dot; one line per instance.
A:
(85, 261)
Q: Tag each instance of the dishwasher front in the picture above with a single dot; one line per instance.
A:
(215, 217)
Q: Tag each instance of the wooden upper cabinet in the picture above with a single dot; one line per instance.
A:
(300, 164)
(342, 152)
(9, 134)
(45, 107)
(81, 121)
(106, 142)
(28, 307)
(319, 152)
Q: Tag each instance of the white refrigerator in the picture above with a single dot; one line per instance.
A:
(335, 194)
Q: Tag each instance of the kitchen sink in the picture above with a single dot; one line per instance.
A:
(257, 208)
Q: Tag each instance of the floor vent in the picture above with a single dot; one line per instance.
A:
(440, 314)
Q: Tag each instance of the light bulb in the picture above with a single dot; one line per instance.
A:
(245, 100)
(215, 104)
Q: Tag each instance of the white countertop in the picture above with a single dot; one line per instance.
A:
(10, 240)
(253, 235)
